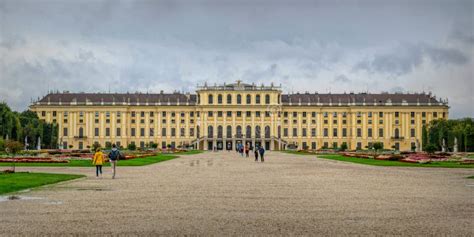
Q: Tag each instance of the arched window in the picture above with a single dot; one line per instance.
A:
(219, 132)
(267, 131)
(397, 133)
(210, 99)
(257, 99)
(279, 131)
(81, 132)
(239, 131)
(249, 99)
(198, 131)
(219, 99)
(267, 99)
(229, 132)
(229, 99)
(210, 131)
(248, 132)
(239, 99)
(257, 131)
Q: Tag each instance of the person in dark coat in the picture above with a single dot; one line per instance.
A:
(256, 153)
(262, 152)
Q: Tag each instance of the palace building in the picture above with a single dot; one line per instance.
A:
(221, 116)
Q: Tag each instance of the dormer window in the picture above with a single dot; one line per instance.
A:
(210, 99)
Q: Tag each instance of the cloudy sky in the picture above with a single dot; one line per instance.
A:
(324, 46)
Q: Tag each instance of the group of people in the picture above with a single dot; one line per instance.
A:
(99, 160)
(257, 150)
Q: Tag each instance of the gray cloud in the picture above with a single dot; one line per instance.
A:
(173, 45)
(404, 59)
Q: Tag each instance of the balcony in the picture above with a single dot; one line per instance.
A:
(397, 138)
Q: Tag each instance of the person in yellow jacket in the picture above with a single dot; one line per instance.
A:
(98, 161)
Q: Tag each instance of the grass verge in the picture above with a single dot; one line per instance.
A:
(11, 182)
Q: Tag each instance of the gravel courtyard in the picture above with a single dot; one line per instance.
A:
(224, 194)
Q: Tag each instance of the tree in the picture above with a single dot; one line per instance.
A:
(13, 147)
(343, 146)
(377, 146)
(132, 146)
(430, 148)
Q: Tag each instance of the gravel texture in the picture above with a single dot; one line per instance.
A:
(223, 194)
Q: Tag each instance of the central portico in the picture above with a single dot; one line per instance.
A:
(238, 113)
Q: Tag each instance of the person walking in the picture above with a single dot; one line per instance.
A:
(256, 153)
(261, 150)
(247, 149)
(114, 156)
(98, 161)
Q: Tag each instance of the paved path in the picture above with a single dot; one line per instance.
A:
(223, 194)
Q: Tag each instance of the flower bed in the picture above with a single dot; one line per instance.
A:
(33, 160)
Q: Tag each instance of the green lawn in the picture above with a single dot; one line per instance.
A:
(299, 153)
(471, 177)
(190, 152)
(88, 163)
(17, 181)
(441, 164)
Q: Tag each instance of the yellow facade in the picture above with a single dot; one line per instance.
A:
(223, 116)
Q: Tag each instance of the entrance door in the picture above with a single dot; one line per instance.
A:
(229, 146)
(209, 146)
(220, 146)
(267, 146)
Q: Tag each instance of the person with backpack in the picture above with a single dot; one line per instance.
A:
(261, 150)
(247, 149)
(114, 156)
(98, 160)
(256, 153)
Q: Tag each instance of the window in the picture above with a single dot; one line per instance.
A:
(412, 114)
(397, 133)
(303, 132)
(210, 99)
(369, 114)
(397, 114)
(81, 132)
(258, 131)
(210, 131)
(380, 114)
(344, 132)
(325, 114)
(267, 99)
(54, 113)
(380, 132)
(220, 132)
(248, 114)
(239, 99)
(229, 113)
(423, 114)
(152, 132)
(132, 132)
(313, 132)
(182, 132)
(96, 132)
(229, 99)
(173, 132)
(313, 145)
(412, 132)
(313, 114)
(118, 132)
(219, 99)
(257, 114)
(304, 114)
(249, 99)
(43, 113)
(219, 113)
(107, 132)
(369, 132)
(191, 132)
(142, 132)
(295, 114)
(239, 113)
(229, 131)
(119, 114)
(325, 132)
(257, 99)
(359, 132)
(163, 113)
(285, 132)
(295, 132)
(65, 132)
(210, 114)
(163, 132)
(334, 132)
(435, 114)
(142, 114)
